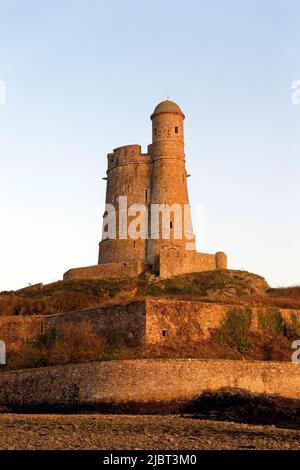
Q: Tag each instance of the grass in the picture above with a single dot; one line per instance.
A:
(221, 281)
(79, 342)
(64, 296)
(271, 322)
(71, 344)
(234, 330)
(233, 340)
(292, 328)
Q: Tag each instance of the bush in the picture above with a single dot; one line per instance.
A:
(271, 322)
(292, 330)
(45, 340)
(229, 404)
(71, 344)
(234, 330)
(76, 343)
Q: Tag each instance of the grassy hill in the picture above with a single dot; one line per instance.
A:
(228, 286)
(233, 340)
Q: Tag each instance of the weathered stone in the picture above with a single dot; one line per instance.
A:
(156, 178)
(135, 323)
(144, 381)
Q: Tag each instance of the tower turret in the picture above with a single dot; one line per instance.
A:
(169, 179)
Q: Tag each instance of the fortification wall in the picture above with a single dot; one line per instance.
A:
(149, 322)
(109, 270)
(144, 381)
(173, 262)
(178, 322)
(118, 324)
(182, 321)
(16, 331)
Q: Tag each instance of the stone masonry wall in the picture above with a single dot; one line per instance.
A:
(16, 331)
(110, 270)
(150, 322)
(173, 262)
(122, 323)
(144, 381)
(179, 322)
(182, 321)
(128, 174)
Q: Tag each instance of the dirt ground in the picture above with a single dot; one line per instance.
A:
(133, 432)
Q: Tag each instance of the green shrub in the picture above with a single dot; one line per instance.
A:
(155, 291)
(234, 330)
(292, 330)
(271, 322)
(45, 340)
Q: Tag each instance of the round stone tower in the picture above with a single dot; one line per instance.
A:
(128, 176)
(169, 180)
(154, 229)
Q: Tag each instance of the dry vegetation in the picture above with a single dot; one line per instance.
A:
(72, 344)
(233, 287)
(233, 340)
(245, 407)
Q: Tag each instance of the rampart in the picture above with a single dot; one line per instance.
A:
(143, 381)
(108, 270)
(145, 322)
(174, 262)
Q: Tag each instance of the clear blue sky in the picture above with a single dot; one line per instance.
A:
(83, 77)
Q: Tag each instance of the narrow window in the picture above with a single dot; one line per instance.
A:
(146, 195)
(171, 224)
(176, 130)
(164, 333)
(155, 131)
(133, 244)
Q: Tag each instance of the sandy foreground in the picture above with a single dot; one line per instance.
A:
(132, 432)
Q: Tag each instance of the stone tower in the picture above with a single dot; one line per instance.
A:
(156, 178)
(169, 178)
(128, 174)
(157, 181)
